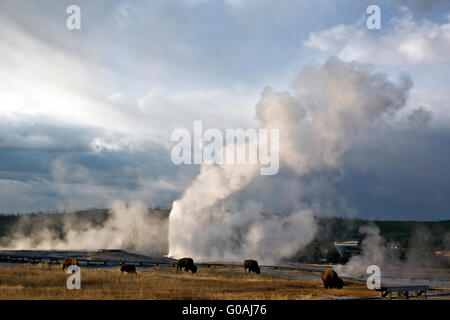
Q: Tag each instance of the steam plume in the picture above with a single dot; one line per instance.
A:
(128, 227)
(330, 106)
(373, 252)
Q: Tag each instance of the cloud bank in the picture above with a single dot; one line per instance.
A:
(406, 41)
(86, 117)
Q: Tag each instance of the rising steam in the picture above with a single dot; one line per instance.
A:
(373, 252)
(128, 227)
(394, 270)
(330, 106)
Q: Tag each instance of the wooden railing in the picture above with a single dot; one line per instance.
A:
(403, 291)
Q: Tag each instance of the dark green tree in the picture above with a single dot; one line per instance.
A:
(333, 256)
(344, 257)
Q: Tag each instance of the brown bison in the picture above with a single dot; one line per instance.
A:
(331, 280)
(187, 264)
(69, 262)
(128, 268)
(252, 266)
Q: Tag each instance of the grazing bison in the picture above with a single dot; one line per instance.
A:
(128, 268)
(187, 264)
(68, 262)
(331, 280)
(252, 266)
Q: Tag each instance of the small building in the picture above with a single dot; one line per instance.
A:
(350, 248)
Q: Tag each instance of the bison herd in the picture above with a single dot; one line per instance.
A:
(185, 263)
(329, 277)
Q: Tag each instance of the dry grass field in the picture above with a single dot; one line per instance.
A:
(44, 282)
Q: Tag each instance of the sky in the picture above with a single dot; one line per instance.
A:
(86, 115)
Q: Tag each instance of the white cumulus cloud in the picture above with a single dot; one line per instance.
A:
(403, 41)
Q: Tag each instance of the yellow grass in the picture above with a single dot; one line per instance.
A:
(43, 282)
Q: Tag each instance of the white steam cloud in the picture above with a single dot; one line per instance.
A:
(373, 252)
(128, 227)
(415, 266)
(330, 106)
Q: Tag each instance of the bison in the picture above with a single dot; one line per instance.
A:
(69, 262)
(187, 264)
(128, 268)
(252, 266)
(331, 280)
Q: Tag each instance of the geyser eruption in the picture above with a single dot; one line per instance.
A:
(329, 107)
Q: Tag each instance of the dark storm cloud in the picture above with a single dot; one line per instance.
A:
(403, 174)
(398, 174)
(31, 133)
(49, 180)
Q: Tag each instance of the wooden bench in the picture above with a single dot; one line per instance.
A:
(421, 291)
